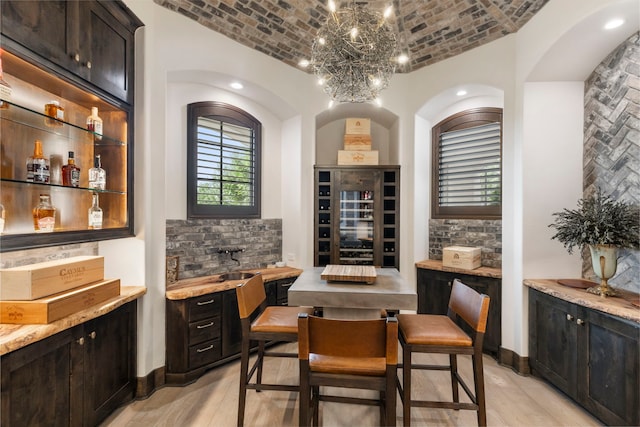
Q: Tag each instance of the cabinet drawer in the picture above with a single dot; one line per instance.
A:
(204, 330)
(282, 292)
(204, 353)
(204, 307)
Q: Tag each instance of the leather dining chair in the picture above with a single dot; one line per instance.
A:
(359, 354)
(263, 324)
(428, 333)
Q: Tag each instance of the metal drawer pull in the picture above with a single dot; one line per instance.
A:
(569, 317)
(211, 301)
(580, 322)
(208, 325)
(202, 350)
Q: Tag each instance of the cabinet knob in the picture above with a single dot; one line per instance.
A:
(76, 57)
(569, 317)
(80, 340)
(580, 322)
(92, 335)
(450, 283)
(89, 64)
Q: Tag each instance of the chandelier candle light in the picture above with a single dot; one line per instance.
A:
(354, 54)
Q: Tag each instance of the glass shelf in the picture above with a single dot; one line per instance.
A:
(44, 186)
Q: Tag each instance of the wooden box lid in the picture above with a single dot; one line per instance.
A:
(349, 273)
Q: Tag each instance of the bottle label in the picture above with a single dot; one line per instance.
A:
(46, 224)
(40, 173)
(95, 220)
(75, 178)
(5, 92)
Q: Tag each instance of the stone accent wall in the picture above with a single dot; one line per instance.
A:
(32, 256)
(196, 242)
(611, 143)
(486, 234)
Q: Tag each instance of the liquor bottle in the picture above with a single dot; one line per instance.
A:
(44, 215)
(2, 217)
(94, 123)
(5, 90)
(56, 111)
(71, 172)
(95, 214)
(97, 175)
(38, 165)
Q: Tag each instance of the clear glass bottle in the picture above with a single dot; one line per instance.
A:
(97, 175)
(44, 215)
(71, 172)
(5, 90)
(95, 214)
(56, 111)
(94, 123)
(3, 213)
(38, 165)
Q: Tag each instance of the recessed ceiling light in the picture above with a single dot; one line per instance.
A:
(236, 85)
(461, 92)
(614, 23)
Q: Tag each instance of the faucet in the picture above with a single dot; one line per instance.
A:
(231, 252)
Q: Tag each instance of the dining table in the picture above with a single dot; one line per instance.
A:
(353, 300)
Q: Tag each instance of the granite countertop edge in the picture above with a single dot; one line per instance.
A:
(618, 306)
(198, 286)
(436, 264)
(14, 337)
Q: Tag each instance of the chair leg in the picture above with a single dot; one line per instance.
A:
(390, 395)
(244, 370)
(478, 378)
(305, 395)
(406, 385)
(315, 404)
(453, 368)
(260, 362)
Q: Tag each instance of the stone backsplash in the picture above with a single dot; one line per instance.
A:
(486, 234)
(196, 243)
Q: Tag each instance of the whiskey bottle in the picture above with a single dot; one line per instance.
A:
(38, 165)
(95, 214)
(71, 172)
(94, 123)
(97, 175)
(44, 215)
(54, 110)
(5, 90)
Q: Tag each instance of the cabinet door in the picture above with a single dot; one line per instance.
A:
(231, 327)
(36, 383)
(608, 368)
(552, 340)
(109, 362)
(43, 27)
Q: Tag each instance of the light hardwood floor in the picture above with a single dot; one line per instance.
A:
(212, 401)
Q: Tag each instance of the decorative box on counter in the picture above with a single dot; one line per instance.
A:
(30, 282)
(464, 257)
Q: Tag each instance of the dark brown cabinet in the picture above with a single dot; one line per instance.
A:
(205, 331)
(590, 355)
(93, 40)
(357, 215)
(76, 377)
(434, 290)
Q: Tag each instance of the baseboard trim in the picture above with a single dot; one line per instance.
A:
(151, 382)
(519, 364)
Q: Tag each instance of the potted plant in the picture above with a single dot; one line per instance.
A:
(604, 226)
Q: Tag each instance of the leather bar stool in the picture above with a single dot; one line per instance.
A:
(262, 323)
(427, 333)
(360, 354)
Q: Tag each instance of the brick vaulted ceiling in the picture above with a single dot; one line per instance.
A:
(428, 30)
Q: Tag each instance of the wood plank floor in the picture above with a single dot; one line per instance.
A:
(212, 401)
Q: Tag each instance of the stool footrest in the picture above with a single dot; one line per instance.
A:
(445, 405)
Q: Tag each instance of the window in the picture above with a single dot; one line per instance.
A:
(223, 164)
(467, 166)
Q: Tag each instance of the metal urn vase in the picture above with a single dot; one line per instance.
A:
(604, 259)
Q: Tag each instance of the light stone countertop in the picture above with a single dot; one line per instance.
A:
(618, 306)
(14, 337)
(197, 286)
(436, 264)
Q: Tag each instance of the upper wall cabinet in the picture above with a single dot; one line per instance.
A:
(66, 176)
(92, 40)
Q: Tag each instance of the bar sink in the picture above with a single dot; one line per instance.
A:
(235, 275)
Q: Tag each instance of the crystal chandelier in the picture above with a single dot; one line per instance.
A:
(354, 54)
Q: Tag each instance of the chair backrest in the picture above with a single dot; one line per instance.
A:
(251, 295)
(470, 305)
(348, 338)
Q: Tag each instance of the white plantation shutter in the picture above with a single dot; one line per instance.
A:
(469, 172)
